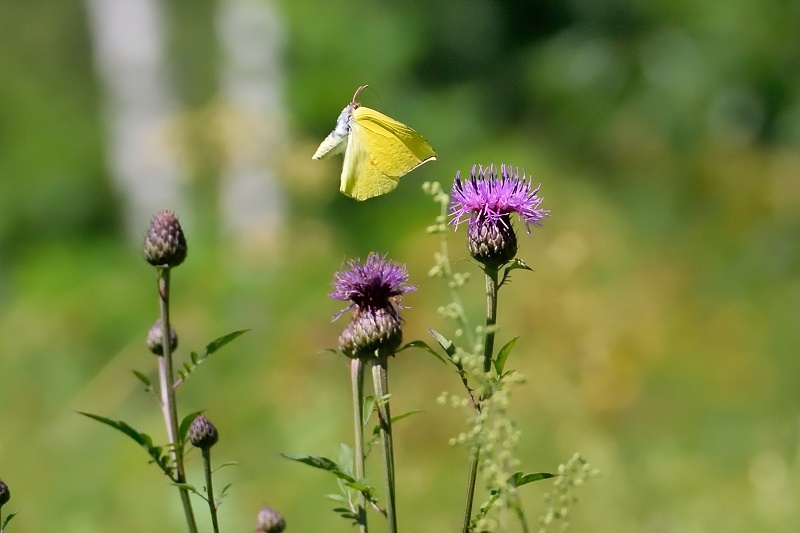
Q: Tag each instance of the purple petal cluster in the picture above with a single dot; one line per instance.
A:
(375, 284)
(485, 197)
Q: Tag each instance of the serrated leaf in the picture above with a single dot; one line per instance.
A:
(424, 346)
(516, 264)
(323, 463)
(519, 479)
(446, 344)
(502, 356)
(143, 439)
(197, 359)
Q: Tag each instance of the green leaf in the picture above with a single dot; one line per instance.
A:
(424, 346)
(519, 479)
(516, 263)
(224, 491)
(336, 498)
(369, 406)
(323, 463)
(197, 359)
(183, 428)
(144, 379)
(8, 519)
(144, 440)
(376, 431)
(446, 344)
(502, 355)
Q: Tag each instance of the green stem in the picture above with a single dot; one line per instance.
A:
(357, 382)
(212, 505)
(491, 275)
(169, 405)
(455, 296)
(381, 382)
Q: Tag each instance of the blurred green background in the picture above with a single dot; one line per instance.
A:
(658, 333)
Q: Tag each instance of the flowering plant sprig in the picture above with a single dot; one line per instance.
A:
(374, 290)
(165, 248)
(486, 201)
(5, 497)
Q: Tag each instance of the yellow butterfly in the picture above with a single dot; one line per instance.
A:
(379, 150)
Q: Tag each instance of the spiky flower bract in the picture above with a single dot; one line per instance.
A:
(202, 433)
(486, 201)
(270, 521)
(155, 338)
(165, 242)
(374, 289)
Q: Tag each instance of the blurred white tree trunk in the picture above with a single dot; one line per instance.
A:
(251, 38)
(129, 52)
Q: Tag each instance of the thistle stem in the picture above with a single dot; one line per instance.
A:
(491, 275)
(168, 402)
(357, 382)
(381, 382)
(212, 505)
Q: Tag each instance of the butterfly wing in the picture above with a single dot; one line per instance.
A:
(335, 142)
(361, 177)
(393, 147)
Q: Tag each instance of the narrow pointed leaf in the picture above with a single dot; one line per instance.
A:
(8, 519)
(446, 344)
(144, 440)
(197, 359)
(144, 379)
(369, 405)
(502, 356)
(519, 479)
(516, 264)
(424, 346)
(323, 463)
(183, 427)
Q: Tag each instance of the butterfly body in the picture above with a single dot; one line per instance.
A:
(378, 150)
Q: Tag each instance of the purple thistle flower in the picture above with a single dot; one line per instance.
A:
(374, 288)
(487, 201)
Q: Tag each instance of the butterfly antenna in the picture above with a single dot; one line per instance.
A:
(358, 91)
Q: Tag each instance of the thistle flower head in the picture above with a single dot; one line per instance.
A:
(376, 284)
(202, 433)
(487, 200)
(374, 289)
(155, 338)
(165, 243)
(270, 521)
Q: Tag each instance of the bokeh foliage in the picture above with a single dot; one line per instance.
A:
(659, 331)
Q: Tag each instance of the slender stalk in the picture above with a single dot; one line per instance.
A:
(381, 382)
(447, 269)
(212, 505)
(491, 275)
(357, 382)
(169, 406)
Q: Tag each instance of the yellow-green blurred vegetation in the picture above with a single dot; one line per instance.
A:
(659, 332)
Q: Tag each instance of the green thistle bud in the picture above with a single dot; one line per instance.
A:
(165, 243)
(156, 335)
(5, 494)
(202, 433)
(270, 521)
(370, 331)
